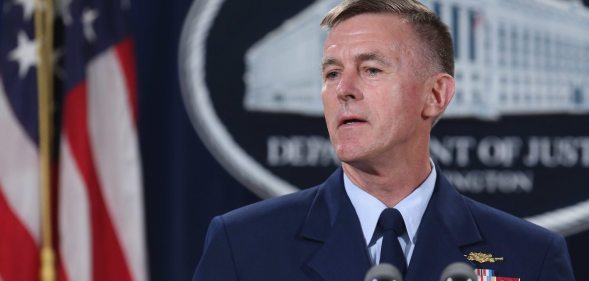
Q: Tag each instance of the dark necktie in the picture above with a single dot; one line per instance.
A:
(392, 225)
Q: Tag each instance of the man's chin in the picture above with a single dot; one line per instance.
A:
(347, 157)
(351, 159)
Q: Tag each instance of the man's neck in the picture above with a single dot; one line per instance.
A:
(390, 184)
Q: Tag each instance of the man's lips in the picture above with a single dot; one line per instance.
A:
(347, 120)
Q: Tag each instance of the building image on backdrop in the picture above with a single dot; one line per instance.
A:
(512, 57)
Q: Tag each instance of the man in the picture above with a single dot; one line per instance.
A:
(387, 78)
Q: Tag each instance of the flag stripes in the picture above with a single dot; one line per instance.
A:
(99, 130)
(18, 250)
(117, 155)
(107, 258)
(125, 55)
(19, 199)
(75, 245)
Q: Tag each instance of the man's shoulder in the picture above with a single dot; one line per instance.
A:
(494, 223)
(285, 208)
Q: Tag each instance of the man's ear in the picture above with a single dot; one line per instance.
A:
(439, 95)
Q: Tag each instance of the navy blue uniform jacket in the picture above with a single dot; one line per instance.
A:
(315, 234)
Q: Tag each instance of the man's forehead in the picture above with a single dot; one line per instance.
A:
(363, 16)
(369, 29)
(384, 20)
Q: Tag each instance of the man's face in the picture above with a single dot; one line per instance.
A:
(372, 98)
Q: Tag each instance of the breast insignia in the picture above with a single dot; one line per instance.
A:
(482, 257)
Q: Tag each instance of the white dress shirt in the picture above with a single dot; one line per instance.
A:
(412, 207)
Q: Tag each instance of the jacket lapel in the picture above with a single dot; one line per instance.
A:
(446, 227)
(333, 222)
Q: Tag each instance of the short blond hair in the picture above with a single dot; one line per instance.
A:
(431, 32)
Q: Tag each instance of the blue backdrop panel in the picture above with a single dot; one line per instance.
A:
(185, 186)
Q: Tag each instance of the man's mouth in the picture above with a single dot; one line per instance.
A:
(352, 121)
(347, 121)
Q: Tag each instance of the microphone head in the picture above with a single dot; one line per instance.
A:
(458, 271)
(383, 272)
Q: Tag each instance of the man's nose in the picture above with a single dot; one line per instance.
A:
(347, 88)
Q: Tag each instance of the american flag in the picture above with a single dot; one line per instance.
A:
(100, 221)
(20, 226)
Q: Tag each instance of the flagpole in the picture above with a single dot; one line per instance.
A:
(44, 35)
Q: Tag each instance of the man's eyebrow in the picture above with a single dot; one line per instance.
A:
(373, 57)
(325, 62)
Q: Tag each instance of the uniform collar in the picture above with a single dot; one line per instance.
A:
(412, 207)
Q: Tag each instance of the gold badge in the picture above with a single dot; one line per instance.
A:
(482, 257)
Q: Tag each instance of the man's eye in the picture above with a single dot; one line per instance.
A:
(373, 71)
(331, 75)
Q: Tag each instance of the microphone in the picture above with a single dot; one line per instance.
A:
(383, 272)
(458, 271)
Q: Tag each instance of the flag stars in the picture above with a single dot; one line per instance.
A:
(88, 17)
(25, 54)
(64, 11)
(28, 7)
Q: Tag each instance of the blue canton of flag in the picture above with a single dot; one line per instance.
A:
(18, 62)
(91, 27)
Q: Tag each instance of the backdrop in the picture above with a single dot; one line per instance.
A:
(515, 138)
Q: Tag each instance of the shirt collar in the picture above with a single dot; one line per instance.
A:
(412, 207)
